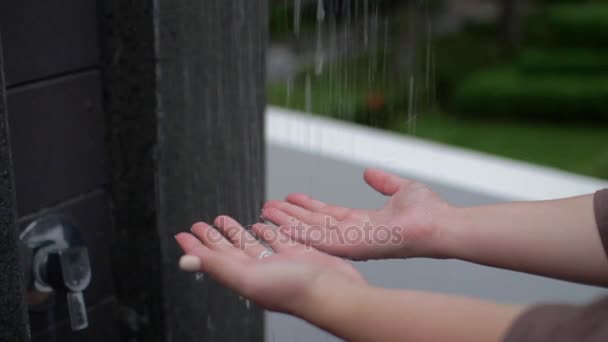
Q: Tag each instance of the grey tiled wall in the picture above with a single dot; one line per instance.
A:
(51, 53)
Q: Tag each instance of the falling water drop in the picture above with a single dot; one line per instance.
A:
(320, 11)
(365, 23)
(289, 90)
(319, 51)
(297, 16)
(308, 95)
(308, 109)
(411, 110)
(210, 324)
(374, 31)
(429, 58)
(385, 52)
(319, 62)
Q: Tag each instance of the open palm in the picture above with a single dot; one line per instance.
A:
(404, 227)
(281, 281)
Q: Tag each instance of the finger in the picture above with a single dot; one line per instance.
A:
(306, 202)
(221, 266)
(274, 238)
(211, 237)
(190, 263)
(299, 231)
(192, 245)
(239, 236)
(383, 182)
(299, 213)
(278, 217)
(317, 206)
(224, 267)
(325, 238)
(188, 243)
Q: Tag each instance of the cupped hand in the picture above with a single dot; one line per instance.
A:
(284, 280)
(408, 225)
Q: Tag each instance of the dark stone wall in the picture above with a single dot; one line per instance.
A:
(13, 312)
(211, 100)
(184, 93)
(44, 39)
(127, 32)
(59, 155)
(183, 100)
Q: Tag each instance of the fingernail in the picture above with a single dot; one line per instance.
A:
(190, 263)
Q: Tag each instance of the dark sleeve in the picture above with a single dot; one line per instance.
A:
(561, 323)
(601, 215)
(557, 323)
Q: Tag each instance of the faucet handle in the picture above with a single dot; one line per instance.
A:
(77, 309)
(76, 272)
(69, 270)
(75, 268)
(58, 262)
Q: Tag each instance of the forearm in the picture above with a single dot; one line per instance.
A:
(558, 238)
(373, 314)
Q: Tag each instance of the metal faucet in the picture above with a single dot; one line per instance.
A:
(56, 261)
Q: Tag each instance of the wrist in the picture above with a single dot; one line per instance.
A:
(330, 298)
(452, 233)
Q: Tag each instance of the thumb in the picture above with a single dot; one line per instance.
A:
(384, 182)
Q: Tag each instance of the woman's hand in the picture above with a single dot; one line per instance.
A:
(284, 281)
(408, 225)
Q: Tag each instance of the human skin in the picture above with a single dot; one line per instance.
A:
(557, 238)
(328, 292)
(308, 278)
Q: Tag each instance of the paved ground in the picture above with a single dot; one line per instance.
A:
(340, 182)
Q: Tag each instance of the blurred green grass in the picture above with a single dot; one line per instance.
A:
(575, 147)
(578, 148)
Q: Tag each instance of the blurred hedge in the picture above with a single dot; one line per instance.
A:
(581, 25)
(281, 19)
(564, 61)
(563, 74)
(508, 93)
